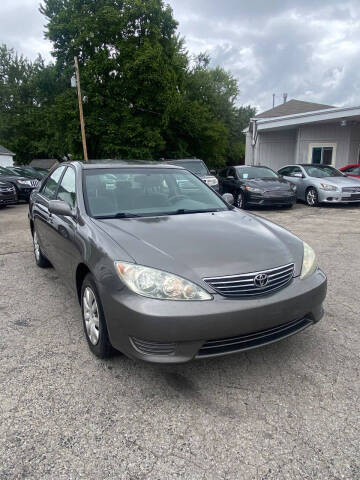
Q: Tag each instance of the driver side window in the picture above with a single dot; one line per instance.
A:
(67, 190)
(51, 185)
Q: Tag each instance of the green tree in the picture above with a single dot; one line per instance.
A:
(132, 67)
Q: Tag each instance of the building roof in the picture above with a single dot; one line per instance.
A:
(292, 107)
(5, 151)
(46, 163)
(344, 116)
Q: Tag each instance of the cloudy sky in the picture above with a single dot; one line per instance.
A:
(309, 49)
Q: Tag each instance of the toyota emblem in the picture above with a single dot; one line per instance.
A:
(261, 280)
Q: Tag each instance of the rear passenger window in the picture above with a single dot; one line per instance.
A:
(50, 188)
(67, 190)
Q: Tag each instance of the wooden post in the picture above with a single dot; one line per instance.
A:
(82, 124)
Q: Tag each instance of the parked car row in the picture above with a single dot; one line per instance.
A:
(17, 183)
(312, 183)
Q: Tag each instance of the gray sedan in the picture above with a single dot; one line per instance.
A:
(316, 184)
(167, 273)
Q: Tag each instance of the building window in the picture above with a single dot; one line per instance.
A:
(322, 155)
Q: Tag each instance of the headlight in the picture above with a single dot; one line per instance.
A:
(212, 182)
(153, 283)
(309, 262)
(253, 189)
(24, 182)
(329, 188)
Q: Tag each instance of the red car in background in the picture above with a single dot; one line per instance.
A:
(352, 170)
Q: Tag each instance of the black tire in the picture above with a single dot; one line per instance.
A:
(311, 197)
(2, 206)
(40, 259)
(102, 348)
(239, 200)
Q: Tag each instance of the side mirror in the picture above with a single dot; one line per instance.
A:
(213, 172)
(58, 207)
(228, 198)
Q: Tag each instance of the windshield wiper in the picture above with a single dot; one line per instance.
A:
(184, 211)
(117, 215)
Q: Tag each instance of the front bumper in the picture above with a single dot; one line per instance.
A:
(8, 199)
(337, 197)
(271, 200)
(24, 193)
(175, 332)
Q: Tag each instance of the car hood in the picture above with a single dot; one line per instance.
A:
(339, 181)
(269, 183)
(5, 184)
(12, 178)
(206, 244)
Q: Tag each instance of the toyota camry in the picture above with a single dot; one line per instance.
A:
(165, 269)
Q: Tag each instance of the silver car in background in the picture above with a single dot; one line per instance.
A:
(317, 184)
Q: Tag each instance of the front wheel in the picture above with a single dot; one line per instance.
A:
(94, 320)
(239, 200)
(312, 198)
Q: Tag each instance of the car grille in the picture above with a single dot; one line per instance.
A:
(7, 189)
(248, 284)
(252, 340)
(351, 189)
(153, 348)
(278, 193)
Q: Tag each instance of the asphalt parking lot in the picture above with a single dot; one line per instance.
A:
(286, 411)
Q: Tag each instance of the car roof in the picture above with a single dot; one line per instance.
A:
(93, 165)
(173, 160)
(252, 166)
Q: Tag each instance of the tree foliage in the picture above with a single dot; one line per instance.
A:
(143, 96)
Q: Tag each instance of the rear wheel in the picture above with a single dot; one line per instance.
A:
(312, 198)
(40, 259)
(94, 320)
(239, 200)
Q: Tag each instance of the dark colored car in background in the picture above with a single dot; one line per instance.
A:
(199, 168)
(26, 171)
(153, 268)
(256, 185)
(352, 170)
(23, 185)
(7, 194)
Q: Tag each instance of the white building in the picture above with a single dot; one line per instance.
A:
(304, 132)
(6, 157)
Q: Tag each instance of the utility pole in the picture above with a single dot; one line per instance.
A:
(82, 124)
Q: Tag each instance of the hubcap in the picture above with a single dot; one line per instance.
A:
(91, 315)
(36, 246)
(311, 197)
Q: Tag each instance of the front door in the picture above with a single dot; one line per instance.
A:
(63, 248)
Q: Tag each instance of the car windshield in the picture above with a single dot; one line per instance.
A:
(250, 173)
(131, 192)
(6, 171)
(197, 167)
(322, 171)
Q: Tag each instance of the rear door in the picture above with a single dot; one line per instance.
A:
(42, 217)
(231, 182)
(294, 175)
(352, 171)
